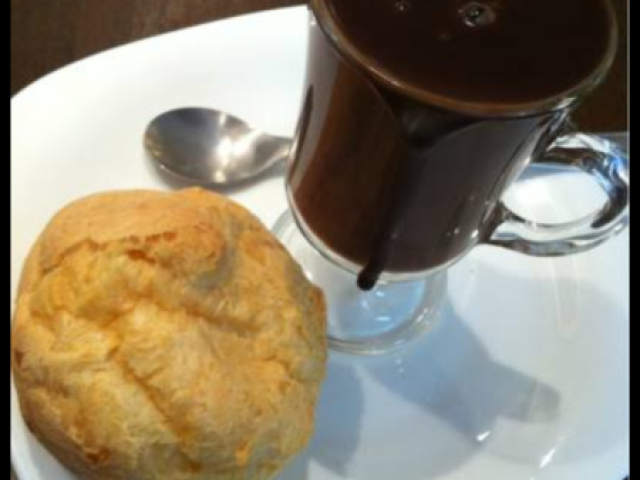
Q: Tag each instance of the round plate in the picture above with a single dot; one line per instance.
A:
(525, 376)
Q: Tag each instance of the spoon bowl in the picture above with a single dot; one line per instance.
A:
(212, 148)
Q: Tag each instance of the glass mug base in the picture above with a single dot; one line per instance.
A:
(366, 323)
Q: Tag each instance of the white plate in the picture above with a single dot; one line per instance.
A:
(526, 376)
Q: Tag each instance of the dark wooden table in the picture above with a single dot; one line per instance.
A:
(48, 34)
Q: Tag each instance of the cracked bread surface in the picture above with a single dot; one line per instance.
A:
(167, 336)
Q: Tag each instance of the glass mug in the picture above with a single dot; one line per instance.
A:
(389, 186)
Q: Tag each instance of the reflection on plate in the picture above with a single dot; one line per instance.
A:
(524, 377)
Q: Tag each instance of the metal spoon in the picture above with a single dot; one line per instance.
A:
(212, 148)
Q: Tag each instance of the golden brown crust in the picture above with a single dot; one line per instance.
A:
(167, 337)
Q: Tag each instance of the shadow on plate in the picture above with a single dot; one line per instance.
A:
(464, 392)
(488, 405)
(469, 402)
(339, 419)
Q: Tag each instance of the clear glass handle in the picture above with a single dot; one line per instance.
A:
(609, 166)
